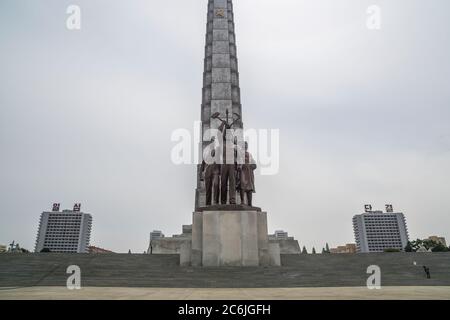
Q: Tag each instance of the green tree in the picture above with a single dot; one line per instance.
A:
(314, 250)
(430, 244)
(304, 251)
(408, 247)
(427, 244)
(440, 248)
(416, 244)
(327, 248)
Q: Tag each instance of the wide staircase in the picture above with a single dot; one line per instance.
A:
(130, 270)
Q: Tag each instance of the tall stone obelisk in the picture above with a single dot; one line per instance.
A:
(220, 78)
(226, 234)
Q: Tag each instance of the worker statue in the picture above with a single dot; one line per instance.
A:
(246, 178)
(228, 166)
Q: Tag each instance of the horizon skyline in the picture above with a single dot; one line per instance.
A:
(318, 248)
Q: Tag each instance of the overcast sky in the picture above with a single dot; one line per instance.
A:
(86, 116)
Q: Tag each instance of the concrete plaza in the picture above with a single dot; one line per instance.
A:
(336, 293)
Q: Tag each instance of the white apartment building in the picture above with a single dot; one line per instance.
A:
(64, 232)
(376, 231)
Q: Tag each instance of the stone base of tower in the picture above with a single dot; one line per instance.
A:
(230, 236)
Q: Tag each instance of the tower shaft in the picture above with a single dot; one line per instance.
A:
(221, 90)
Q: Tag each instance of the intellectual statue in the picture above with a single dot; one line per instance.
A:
(246, 177)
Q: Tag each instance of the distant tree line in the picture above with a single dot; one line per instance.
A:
(415, 245)
(325, 250)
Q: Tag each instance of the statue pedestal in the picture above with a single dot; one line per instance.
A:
(231, 236)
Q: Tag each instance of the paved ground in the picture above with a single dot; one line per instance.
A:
(97, 293)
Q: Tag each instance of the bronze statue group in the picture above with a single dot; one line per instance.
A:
(232, 176)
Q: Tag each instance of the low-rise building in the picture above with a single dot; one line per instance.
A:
(156, 234)
(159, 244)
(348, 248)
(2, 248)
(437, 239)
(279, 235)
(288, 245)
(97, 250)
